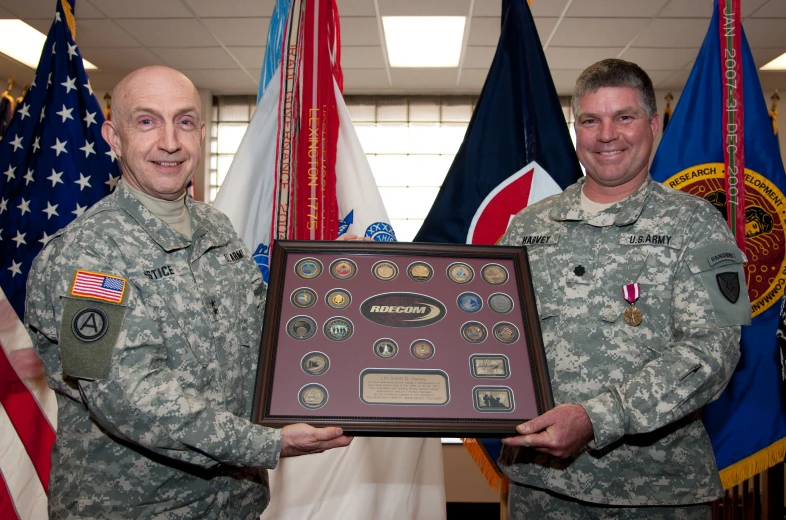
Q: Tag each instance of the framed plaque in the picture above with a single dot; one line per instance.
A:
(428, 340)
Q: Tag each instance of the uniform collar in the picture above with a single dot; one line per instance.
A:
(205, 235)
(627, 211)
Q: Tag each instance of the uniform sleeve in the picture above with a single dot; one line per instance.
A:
(134, 396)
(709, 303)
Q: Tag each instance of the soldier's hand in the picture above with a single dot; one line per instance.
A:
(302, 439)
(561, 432)
(355, 238)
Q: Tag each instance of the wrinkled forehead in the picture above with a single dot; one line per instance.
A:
(162, 93)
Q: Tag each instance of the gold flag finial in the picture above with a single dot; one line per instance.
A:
(24, 93)
(69, 17)
(108, 111)
(774, 112)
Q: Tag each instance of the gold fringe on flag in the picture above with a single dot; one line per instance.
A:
(69, 17)
(753, 465)
(774, 112)
(485, 464)
(667, 111)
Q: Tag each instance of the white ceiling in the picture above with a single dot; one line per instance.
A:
(219, 44)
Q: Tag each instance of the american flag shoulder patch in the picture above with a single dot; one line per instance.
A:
(99, 286)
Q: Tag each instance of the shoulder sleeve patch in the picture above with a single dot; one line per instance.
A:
(88, 333)
(98, 286)
(720, 267)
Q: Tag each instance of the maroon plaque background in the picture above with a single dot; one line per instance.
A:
(281, 377)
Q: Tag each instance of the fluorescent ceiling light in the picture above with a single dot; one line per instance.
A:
(424, 41)
(24, 43)
(778, 63)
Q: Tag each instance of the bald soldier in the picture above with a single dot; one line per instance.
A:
(147, 312)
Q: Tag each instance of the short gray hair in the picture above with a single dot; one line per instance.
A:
(616, 73)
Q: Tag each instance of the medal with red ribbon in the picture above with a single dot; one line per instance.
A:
(631, 293)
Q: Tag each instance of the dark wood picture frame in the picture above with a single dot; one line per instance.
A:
(523, 376)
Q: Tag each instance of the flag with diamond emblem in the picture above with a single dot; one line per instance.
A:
(54, 164)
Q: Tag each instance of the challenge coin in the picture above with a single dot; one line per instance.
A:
(303, 298)
(460, 272)
(343, 269)
(338, 299)
(315, 363)
(469, 302)
(494, 274)
(420, 271)
(422, 349)
(308, 268)
(500, 303)
(338, 328)
(385, 348)
(384, 270)
(301, 327)
(474, 332)
(492, 399)
(313, 396)
(506, 332)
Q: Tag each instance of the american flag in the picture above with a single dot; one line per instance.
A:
(99, 286)
(54, 164)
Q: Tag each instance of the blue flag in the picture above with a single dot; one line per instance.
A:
(54, 164)
(517, 149)
(747, 424)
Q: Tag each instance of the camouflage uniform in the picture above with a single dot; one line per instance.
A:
(153, 415)
(639, 385)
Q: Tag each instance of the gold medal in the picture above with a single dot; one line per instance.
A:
(632, 316)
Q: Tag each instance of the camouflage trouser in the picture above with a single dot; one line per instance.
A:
(527, 503)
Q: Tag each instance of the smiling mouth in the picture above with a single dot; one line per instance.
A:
(167, 163)
(610, 154)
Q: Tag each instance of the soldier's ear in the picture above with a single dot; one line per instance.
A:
(112, 137)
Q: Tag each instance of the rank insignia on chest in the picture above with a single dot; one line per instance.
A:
(98, 286)
(632, 314)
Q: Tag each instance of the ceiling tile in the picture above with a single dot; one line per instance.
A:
(598, 32)
(8, 68)
(366, 57)
(478, 58)
(360, 31)
(360, 81)
(544, 26)
(660, 59)
(473, 78)
(688, 9)
(120, 59)
(578, 58)
(171, 32)
(421, 8)
(31, 8)
(105, 79)
(763, 56)
(415, 80)
(239, 31)
(355, 8)
(232, 8)
(752, 6)
(765, 33)
(221, 81)
(565, 80)
(675, 32)
(196, 58)
(674, 81)
(249, 57)
(615, 8)
(484, 31)
(775, 9)
(6, 14)
(149, 8)
(549, 8)
(85, 10)
(490, 8)
(103, 33)
(771, 80)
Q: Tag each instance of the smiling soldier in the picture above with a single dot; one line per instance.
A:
(641, 295)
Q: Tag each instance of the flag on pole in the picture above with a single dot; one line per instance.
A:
(54, 164)
(747, 424)
(517, 151)
(374, 477)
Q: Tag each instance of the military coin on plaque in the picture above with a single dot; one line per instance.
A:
(501, 303)
(506, 332)
(489, 366)
(385, 348)
(422, 349)
(494, 274)
(343, 269)
(338, 299)
(303, 298)
(492, 399)
(301, 327)
(384, 270)
(315, 363)
(308, 268)
(420, 271)
(474, 332)
(469, 302)
(460, 272)
(338, 328)
(313, 396)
